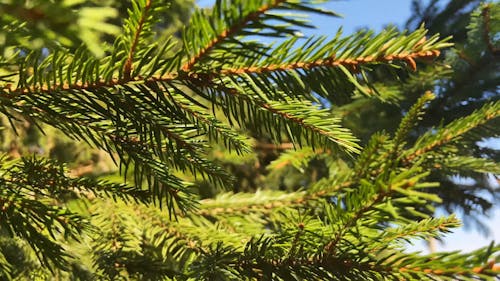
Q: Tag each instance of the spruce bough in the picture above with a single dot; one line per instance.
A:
(158, 107)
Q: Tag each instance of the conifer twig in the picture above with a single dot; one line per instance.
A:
(127, 67)
(487, 29)
(228, 33)
(269, 206)
(333, 62)
(452, 135)
(207, 76)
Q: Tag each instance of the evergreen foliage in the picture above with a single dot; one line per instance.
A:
(162, 108)
(464, 78)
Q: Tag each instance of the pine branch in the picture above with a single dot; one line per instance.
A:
(127, 67)
(333, 62)
(452, 265)
(131, 138)
(430, 227)
(413, 116)
(33, 202)
(266, 202)
(227, 261)
(230, 204)
(423, 50)
(317, 121)
(159, 109)
(369, 198)
(296, 70)
(322, 192)
(467, 163)
(485, 13)
(453, 130)
(237, 26)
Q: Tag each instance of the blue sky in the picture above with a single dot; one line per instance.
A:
(356, 14)
(375, 14)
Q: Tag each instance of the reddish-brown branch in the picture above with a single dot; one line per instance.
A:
(452, 271)
(228, 33)
(330, 262)
(13, 93)
(445, 139)
(330, 247)
(389, 239)
(409, 58)
(127, 67)
(207, 77)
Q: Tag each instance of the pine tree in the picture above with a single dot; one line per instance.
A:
(158, 107)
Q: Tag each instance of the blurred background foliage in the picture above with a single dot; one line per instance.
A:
(35, 24)
(69, 24)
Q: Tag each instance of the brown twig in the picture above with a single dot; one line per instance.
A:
(331, 246)
(446, 139)
(227, 33)
(409, 58)
(206, 78)
(452, 271)
(329, 262)
(127, 67)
